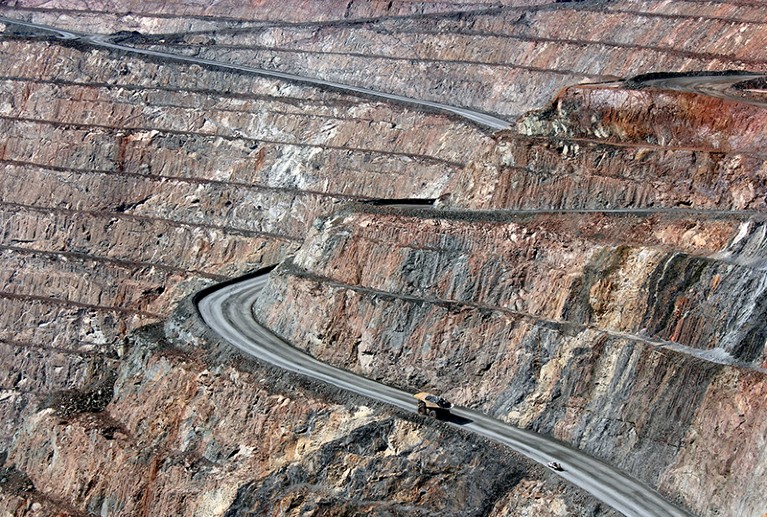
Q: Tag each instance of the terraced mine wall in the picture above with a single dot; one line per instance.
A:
(606, 147)
(142, 196)
(129, 184)
(149, 183)
(634, 334)
(610, 345)
(505, 60)
(213, 14)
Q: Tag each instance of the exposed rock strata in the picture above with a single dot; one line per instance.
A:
(664, 118)
(265, 10)
(504, 61)
(610, 147)
(617, 333)
(197, 429)
(525, 173)
(155, 179)
(151, 177)
(653, 274)
(567, 355)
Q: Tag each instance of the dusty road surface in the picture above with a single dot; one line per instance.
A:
(227, 311)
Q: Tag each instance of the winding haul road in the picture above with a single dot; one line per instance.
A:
(227, 309)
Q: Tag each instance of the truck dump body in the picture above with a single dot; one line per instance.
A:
(432, 405)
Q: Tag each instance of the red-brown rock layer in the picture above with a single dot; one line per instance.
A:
(612, 148)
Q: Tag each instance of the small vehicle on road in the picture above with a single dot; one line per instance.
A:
(432, 405)
(553, 465)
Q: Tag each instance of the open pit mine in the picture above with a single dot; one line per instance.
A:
(237, 238)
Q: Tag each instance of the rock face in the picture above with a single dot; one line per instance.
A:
(191, 428)
(259, 10)
(621, 272)
(608, 147)
(619, 332)
(505, 58)
(149, 181)
(128, 184)
(546, 322)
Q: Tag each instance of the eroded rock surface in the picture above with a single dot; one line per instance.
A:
(583, 326)
(148, 179)
(617, 331)
(128, 184)
(192, 428)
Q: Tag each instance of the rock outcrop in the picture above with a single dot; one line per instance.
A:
(192, 428)
(610, 147)
(148, 180)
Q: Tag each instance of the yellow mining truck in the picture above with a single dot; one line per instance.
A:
(432, 405)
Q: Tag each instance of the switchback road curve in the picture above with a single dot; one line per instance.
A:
(227, 310)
